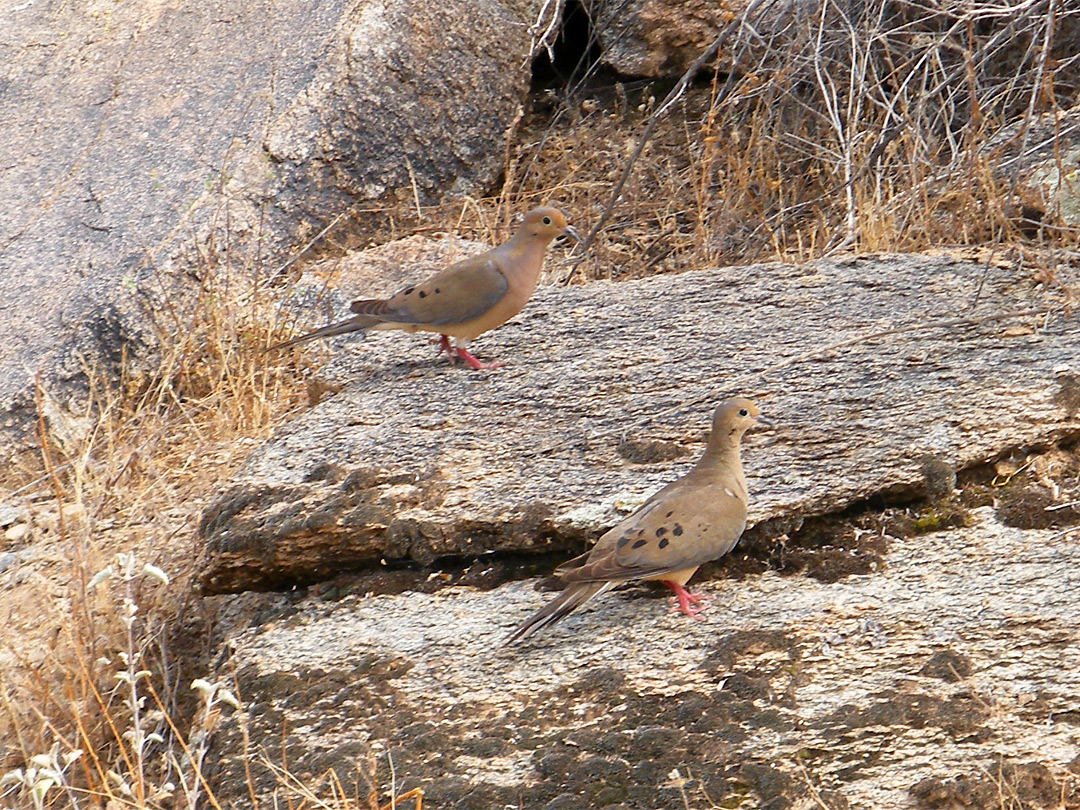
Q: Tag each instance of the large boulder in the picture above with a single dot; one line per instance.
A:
(606, 393)
(655, 37)
(145, 145)
(663, 38)
(948, 678)
(940, 668)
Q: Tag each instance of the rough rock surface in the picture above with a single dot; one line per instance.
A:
(663, 38)
(187, 137)
(606, 394)
(1041, 163)
(948, 679)
(655, 38)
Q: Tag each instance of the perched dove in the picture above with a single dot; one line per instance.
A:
(466, 299)
(687, 523)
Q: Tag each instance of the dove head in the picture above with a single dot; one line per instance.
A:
(545, 224)
(732, 419)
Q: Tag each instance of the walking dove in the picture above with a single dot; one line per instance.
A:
(466, 299)
(692, 520)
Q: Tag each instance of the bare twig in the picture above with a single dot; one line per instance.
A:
(545, 30)
(669, 101)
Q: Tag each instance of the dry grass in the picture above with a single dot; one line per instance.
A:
(859, 128)
(870, 129)
(117, 490)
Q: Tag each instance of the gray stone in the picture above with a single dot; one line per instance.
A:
(13, 513)
(1040, 162)
(415, 460)
(625, 703)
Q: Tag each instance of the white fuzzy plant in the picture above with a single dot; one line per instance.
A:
(42, 774)
(45, 774)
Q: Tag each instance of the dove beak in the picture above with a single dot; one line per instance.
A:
(570, 231)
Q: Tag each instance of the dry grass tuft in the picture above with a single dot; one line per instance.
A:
(103, 634)
(848, 129)
(853, 128)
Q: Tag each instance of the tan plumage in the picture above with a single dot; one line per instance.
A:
(689, 522)
(466, 299)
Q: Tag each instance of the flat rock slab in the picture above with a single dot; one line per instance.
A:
(605, 396)
(947, 679)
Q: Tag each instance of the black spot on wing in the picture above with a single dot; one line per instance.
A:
(623, 541)
(485, 284)
(677, 531)
(423, 294)
(409, 290)
(664, 543)
(639, 543)
(661, 531)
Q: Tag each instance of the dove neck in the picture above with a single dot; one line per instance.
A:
(722, 455)
(527, 252)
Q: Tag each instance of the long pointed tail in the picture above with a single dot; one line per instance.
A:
(558, 608)
(356, 324)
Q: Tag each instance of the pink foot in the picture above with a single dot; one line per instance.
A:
(444, 346)
(691, 604)
(472, 361)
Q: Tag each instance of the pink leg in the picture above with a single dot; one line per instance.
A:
(444, 346)
(472, 361)
(691, 604)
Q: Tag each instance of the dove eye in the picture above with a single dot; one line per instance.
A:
(547, 220)
(743, 412)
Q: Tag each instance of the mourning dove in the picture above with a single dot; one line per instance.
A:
(689, 522)
(466, 299)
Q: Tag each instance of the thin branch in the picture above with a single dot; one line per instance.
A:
(669, 101)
